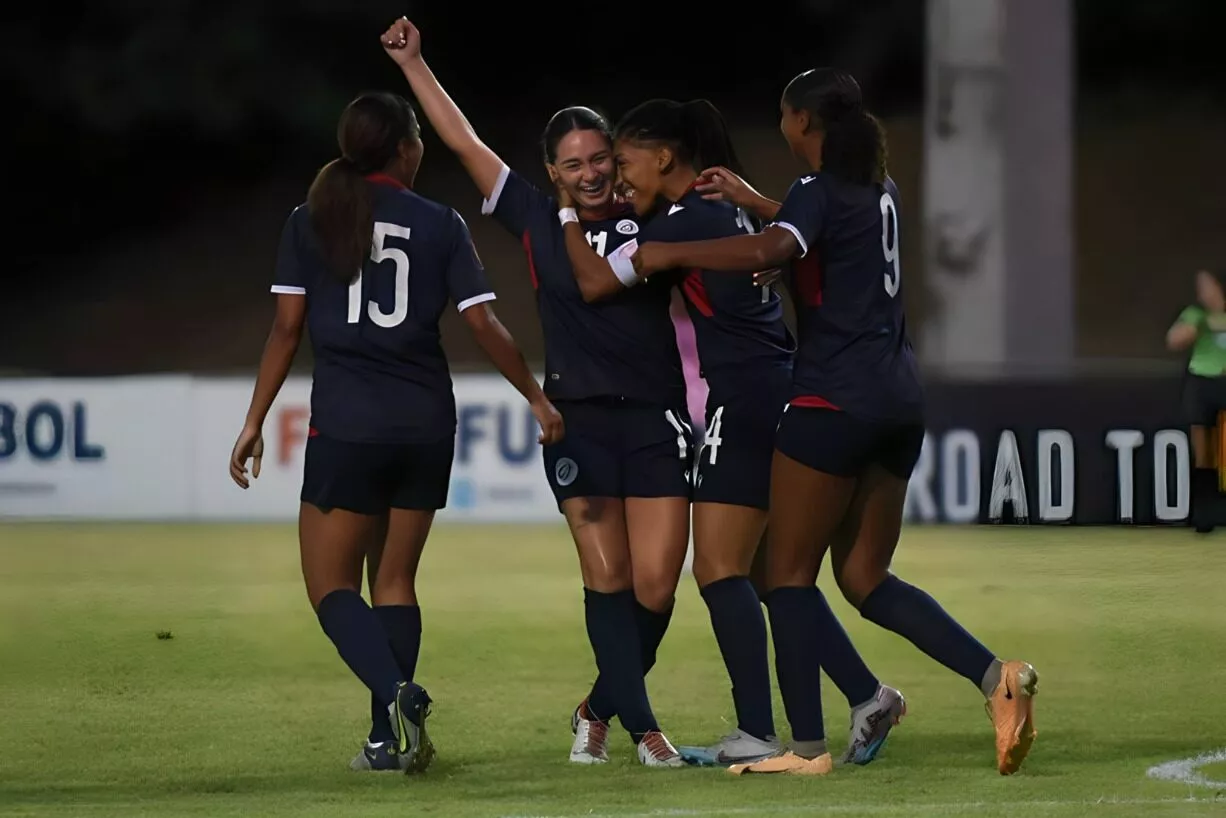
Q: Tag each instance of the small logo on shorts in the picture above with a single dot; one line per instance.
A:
(627, 227)
(565, 471)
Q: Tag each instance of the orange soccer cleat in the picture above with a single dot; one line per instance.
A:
(1011, 708)
(787, 763)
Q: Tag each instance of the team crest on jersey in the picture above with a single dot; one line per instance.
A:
(627, 227)
(565, 471)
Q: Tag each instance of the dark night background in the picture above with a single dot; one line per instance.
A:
(155, 147)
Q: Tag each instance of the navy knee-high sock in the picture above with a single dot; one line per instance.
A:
(613, 632)
(740, 630)
(915, 616)
(841, 660)
(795, 615)
(652, 626)
(403, 626)
(362, 643)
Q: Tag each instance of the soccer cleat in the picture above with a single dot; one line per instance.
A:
(787, 764)
(871, 724)
(1011, 709)
(378, 757)
(408, 716)
(740, 747)
(591, 744)
(656, 751)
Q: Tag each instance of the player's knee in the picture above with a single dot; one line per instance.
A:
(655, 590)
(316, 591)
(606, 573)
(856, 581)
(394, 589)
(710, 568)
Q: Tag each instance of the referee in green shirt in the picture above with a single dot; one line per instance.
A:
(1201, 328)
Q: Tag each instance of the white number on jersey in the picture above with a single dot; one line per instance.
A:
(400, 308)
(889, 242)
(597, 241)
(745, 222)
(713, 439)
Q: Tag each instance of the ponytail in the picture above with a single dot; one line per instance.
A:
(341, 206)
(706, 137)
(854, 147)
(341, 203)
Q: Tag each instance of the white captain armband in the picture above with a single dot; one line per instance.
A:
(567, 215)
(622, 266)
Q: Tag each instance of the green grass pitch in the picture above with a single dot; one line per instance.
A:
(248, 711)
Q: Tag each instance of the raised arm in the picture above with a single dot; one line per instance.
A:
(402, 42)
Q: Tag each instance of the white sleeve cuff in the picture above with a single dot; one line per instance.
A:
(622, 266)
(488, 205)
(285, 289)
(804, 248)
(474, 301)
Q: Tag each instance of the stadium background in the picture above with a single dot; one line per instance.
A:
(159, 147)
(153, 151)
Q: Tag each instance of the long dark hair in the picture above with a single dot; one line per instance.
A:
(574, 118)
(695, 131)
(854, 146)
(340, 201)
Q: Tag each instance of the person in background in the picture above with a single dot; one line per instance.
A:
(1201, 329)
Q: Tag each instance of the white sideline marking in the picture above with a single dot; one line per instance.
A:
(911, 808)
(1185, 770)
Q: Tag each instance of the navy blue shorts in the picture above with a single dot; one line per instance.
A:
(837, 443)
(620, 448)
(370, 478)
(734, 462)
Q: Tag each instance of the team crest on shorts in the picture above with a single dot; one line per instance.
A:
(565, 471)
(627, 227)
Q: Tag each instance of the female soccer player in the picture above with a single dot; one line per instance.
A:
(1201, 328)
(853, 429)
(746, 354)
(383, 415)
(621, 477)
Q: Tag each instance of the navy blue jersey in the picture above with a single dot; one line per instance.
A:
(380, 372)
(737, 324)
(623, 346)
(854, 352)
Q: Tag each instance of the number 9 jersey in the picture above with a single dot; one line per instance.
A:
(380, 374)
(853, 352)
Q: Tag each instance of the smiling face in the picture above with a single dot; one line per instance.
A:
(584, 166)
(640, 173)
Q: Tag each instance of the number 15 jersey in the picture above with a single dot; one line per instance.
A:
(853, 352)
(380, 372)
